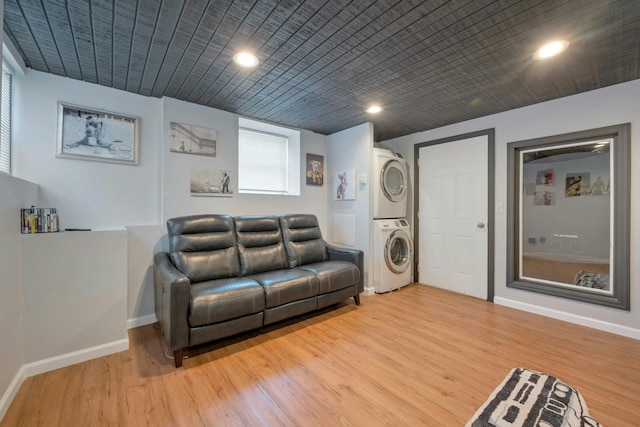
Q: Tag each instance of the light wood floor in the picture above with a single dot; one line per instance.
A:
(414, 357)
(557, 271)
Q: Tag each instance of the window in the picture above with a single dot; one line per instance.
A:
(5, 121)
(268, 159)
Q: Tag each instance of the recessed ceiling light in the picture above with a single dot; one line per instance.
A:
(245, 59)
(374, 109)
(551, 49)
(475, 101)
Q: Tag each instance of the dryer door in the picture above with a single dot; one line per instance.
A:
(398, 252)
(393, 180)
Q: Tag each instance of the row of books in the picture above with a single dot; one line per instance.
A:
(39, 220)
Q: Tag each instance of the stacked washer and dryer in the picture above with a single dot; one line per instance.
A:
(392, 245)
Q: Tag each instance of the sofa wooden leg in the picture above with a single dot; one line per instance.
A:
(356, 298)
(177, 357)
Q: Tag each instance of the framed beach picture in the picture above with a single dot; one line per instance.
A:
(189, 139)
(88, 134)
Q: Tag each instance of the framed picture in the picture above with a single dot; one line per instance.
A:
(190, 139)
(578, 184)
(345, 188)
(315, 169)
(529, 189)
(89, 134)
(211, 182)
(544, 177)
(544, 198)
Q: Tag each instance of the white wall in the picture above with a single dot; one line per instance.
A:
(143, 242)
(585, 217)
(141, 198)
(75, 291)
(352, 149)
(15, 194)
(603, 107)
(87, 194)
(176, 170)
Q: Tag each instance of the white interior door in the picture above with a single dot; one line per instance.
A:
(453, 233)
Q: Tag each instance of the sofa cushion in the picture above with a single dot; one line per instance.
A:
(284, 286)
(224, 299)
(260, 244)
(333, 275)
(302, 239)
(203, 247)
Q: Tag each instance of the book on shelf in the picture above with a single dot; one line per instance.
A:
(39, 220)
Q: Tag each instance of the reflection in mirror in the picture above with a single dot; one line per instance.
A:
(569, 215)
(565, 215)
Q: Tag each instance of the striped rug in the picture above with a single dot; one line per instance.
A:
(527, 398)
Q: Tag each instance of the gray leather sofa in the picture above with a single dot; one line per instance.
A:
(226, 275)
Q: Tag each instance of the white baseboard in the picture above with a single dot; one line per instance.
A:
(11, 392)
(141, 321)
(56, 362)
(625, 331)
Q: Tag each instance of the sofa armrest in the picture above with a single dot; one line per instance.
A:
(355, 256)
(172, 296)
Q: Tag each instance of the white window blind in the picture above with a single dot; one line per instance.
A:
(262, 162)
(5, 122)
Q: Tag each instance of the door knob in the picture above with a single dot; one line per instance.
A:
(481, 225)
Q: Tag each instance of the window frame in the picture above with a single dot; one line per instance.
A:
(6, 114)
(292, 161)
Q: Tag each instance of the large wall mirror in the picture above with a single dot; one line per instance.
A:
(568, 215)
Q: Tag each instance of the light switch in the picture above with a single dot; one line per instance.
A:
(499, 208)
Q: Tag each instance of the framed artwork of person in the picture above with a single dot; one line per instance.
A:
(88, 134)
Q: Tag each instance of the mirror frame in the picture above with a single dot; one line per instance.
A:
(621, 202)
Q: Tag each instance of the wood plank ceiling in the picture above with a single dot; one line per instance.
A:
(429, 63)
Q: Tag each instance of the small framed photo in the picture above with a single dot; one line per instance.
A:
(578, 184)
(344, 184)
(89, 134)
(544, 177)
(315, 169)
(189, 139)
(211, 182)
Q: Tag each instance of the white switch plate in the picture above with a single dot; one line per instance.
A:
(499, 208)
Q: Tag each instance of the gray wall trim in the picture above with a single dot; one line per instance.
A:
(490, 134)
(622, 212)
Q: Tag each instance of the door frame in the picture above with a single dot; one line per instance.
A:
(490, 134)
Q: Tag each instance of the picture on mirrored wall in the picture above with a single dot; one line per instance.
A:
(599, 188)
(529, 189)
(577, 184)
(545, 177)
(189, 139)
(544, 198)
(315, 169)
(211, 182)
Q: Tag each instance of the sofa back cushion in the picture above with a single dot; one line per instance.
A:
(203, 247)
(260, 244)
(302, 239)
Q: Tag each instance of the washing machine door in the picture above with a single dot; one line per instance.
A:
(393, 180)
(398, 252)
